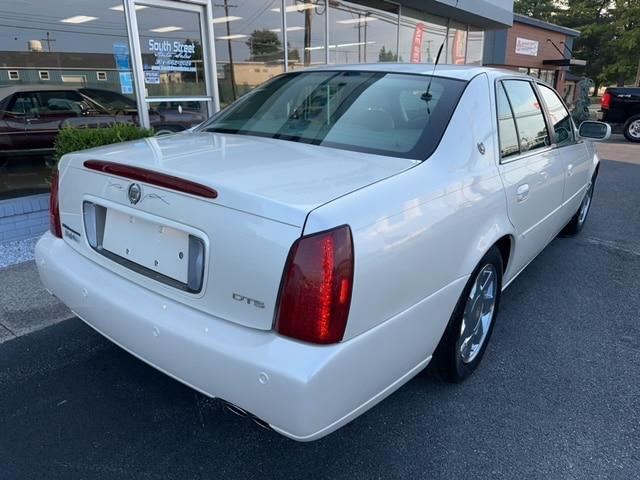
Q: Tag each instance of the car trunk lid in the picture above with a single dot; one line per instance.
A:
(265, 189)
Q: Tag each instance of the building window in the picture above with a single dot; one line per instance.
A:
(364, 32)
(79, 79)
(475, 45)
(305, 32)
(246, 40)
(81, 39)
(456, 44)
(421, 36)
(102, 76)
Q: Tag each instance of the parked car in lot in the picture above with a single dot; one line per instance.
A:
(314, 246)
(30, 117)
(620, 107)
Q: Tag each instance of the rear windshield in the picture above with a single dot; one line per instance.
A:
(373, 112)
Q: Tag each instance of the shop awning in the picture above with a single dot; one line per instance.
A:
(565, 62)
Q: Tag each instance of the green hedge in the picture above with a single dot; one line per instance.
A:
(72, 139)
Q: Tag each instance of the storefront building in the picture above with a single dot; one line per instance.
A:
(169, 64)
(540, 49)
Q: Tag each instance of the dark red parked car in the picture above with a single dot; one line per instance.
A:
(30, 117)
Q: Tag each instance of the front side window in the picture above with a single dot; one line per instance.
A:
(23, 103)
(374, 112)
(559, 115)
(109, 100)
(532, 128)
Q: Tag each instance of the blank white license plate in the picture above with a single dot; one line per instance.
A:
(157, 247)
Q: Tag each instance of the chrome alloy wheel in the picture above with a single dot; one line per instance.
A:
(634, 129)
(478, 313)
(586, 204)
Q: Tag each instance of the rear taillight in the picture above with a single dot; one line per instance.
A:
(605, 103)
(54, 209)
(315, 294)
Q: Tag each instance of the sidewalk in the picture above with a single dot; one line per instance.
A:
(25, 306)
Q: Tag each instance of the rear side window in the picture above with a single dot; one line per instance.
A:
(506, 125)
(559, 116)
(374, 112)
(63, 102)
(530, 122)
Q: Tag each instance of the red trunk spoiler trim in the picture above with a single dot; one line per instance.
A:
(153, 178)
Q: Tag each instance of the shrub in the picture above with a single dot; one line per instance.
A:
(72, 139)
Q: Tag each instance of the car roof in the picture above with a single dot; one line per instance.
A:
(6, 90)
(461, 72)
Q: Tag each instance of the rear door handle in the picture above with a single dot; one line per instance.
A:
(522, 192)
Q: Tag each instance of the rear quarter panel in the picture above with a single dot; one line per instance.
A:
(424, 230)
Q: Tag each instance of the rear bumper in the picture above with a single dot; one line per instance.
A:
(303, 391)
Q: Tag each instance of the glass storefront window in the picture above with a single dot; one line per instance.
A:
(548, 76)
(475, 46)
(456, 44)
(171, 116)
(364, 32)
(172, 55)
(248, 43)
(305, 32)
(68, 62)
(421, 36)
(63, 56)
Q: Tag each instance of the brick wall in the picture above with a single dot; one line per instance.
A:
(24, 217)
(546, 50)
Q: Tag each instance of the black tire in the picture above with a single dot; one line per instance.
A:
(631, 129)
(577, 222)
(448, 357)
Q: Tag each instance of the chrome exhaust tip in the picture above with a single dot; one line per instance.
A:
(236, 410)
(241, 412)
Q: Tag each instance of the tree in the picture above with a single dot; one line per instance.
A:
(387, 55)
(540, 9)
(627, 44)
(264, 46)
(607, 31)
(294, 54)
(609, 34)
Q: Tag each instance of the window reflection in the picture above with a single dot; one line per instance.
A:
(172, 55)
(475, 46)
(456, 44)
(363, 33)
(59, 58)
(421, 36)
(248, 43)
(305, 32)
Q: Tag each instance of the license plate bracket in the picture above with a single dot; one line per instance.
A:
(156, 247)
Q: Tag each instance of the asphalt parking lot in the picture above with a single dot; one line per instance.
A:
(557, 395)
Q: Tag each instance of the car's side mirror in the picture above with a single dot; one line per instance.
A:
(595, 130)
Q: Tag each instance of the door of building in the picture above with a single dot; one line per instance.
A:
(172, 58)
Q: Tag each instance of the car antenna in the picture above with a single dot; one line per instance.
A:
(427, 96)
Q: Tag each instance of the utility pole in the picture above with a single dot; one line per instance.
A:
(232, 73)
(49, 39)
(307, 35)
(638, 75)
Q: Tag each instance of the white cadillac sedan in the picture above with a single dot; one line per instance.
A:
(316, 244)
